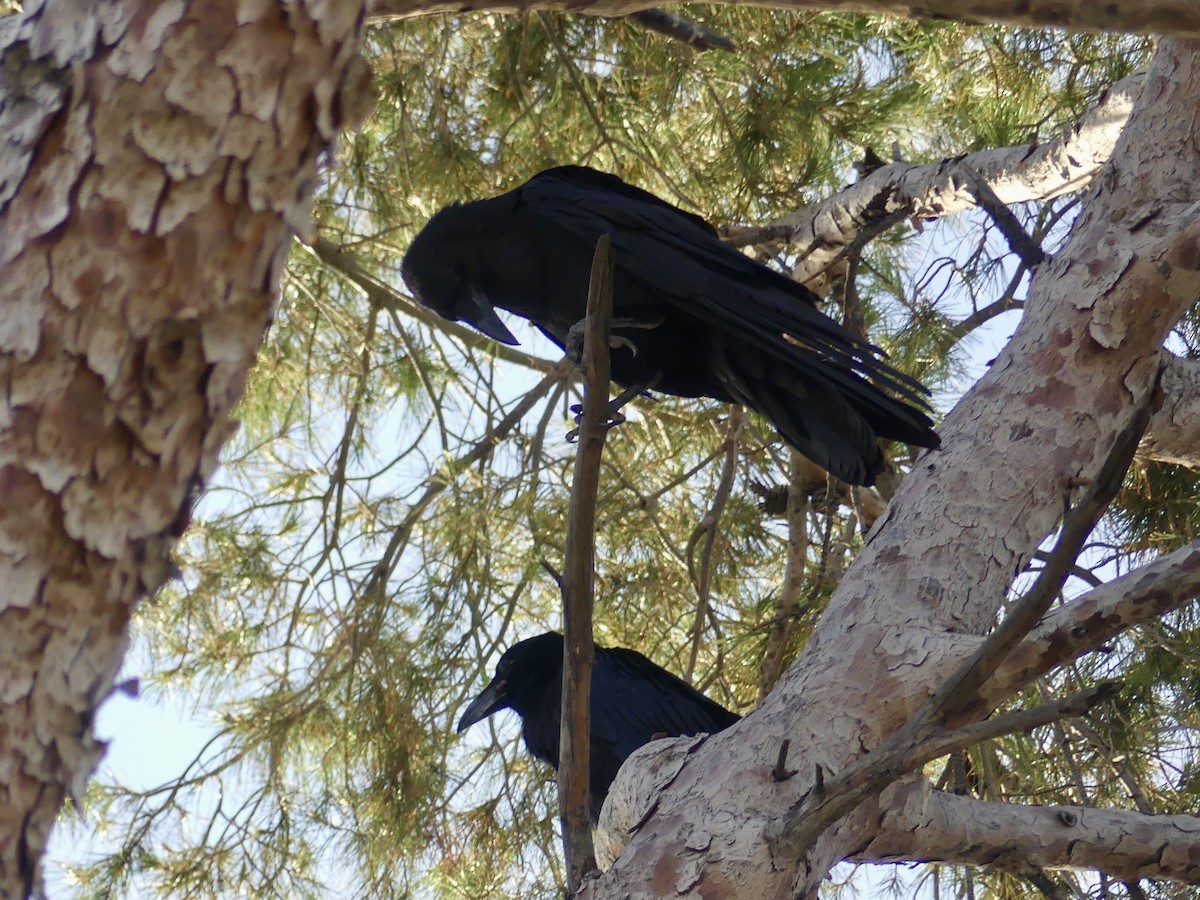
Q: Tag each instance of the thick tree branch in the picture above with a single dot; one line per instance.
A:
(960, 692)
(579, 575)
(1068, 163)
(1180, 18)
(1085, 623)
(927, 825)
(924, 737)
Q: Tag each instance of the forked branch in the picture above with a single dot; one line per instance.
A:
(925, 737)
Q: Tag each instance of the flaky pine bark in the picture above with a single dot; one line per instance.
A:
(157, 158)
(1177, 17)
(933, 571)
(927, 825)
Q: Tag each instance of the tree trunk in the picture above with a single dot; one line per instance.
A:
(158, 157)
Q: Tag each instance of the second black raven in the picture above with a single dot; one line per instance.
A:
(633, 701)
(693, 316)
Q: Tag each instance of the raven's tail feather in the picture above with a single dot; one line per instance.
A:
(834, 417)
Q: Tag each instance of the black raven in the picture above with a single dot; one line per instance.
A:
(693, 316)
(633, 701)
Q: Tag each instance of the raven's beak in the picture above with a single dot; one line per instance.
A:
(484, 705)
(475, 309)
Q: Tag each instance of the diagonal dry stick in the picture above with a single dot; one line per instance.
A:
(1021, 242)
(578, 582)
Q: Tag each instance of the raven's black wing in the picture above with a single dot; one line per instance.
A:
(768, 324)
(633, 700)
(679, 255)
(593, 179)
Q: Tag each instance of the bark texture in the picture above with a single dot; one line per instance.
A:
(934, 569)
(158, 157)
(1174, 434)
(1174, 17)
(927, 825)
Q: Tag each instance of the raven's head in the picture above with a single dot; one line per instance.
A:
(433, 271)
(523, 671)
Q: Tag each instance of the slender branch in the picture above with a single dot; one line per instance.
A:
(788, 605)
(579, 575)
(709, 528)
(1085, 623)
(1030, 251)
(381, 295)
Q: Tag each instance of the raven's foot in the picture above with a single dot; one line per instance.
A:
(576, 332)
(615, 417)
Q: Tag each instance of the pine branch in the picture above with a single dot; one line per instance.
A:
(1013, 174)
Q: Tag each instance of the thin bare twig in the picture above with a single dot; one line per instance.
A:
(579, 576)
(440, 480)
